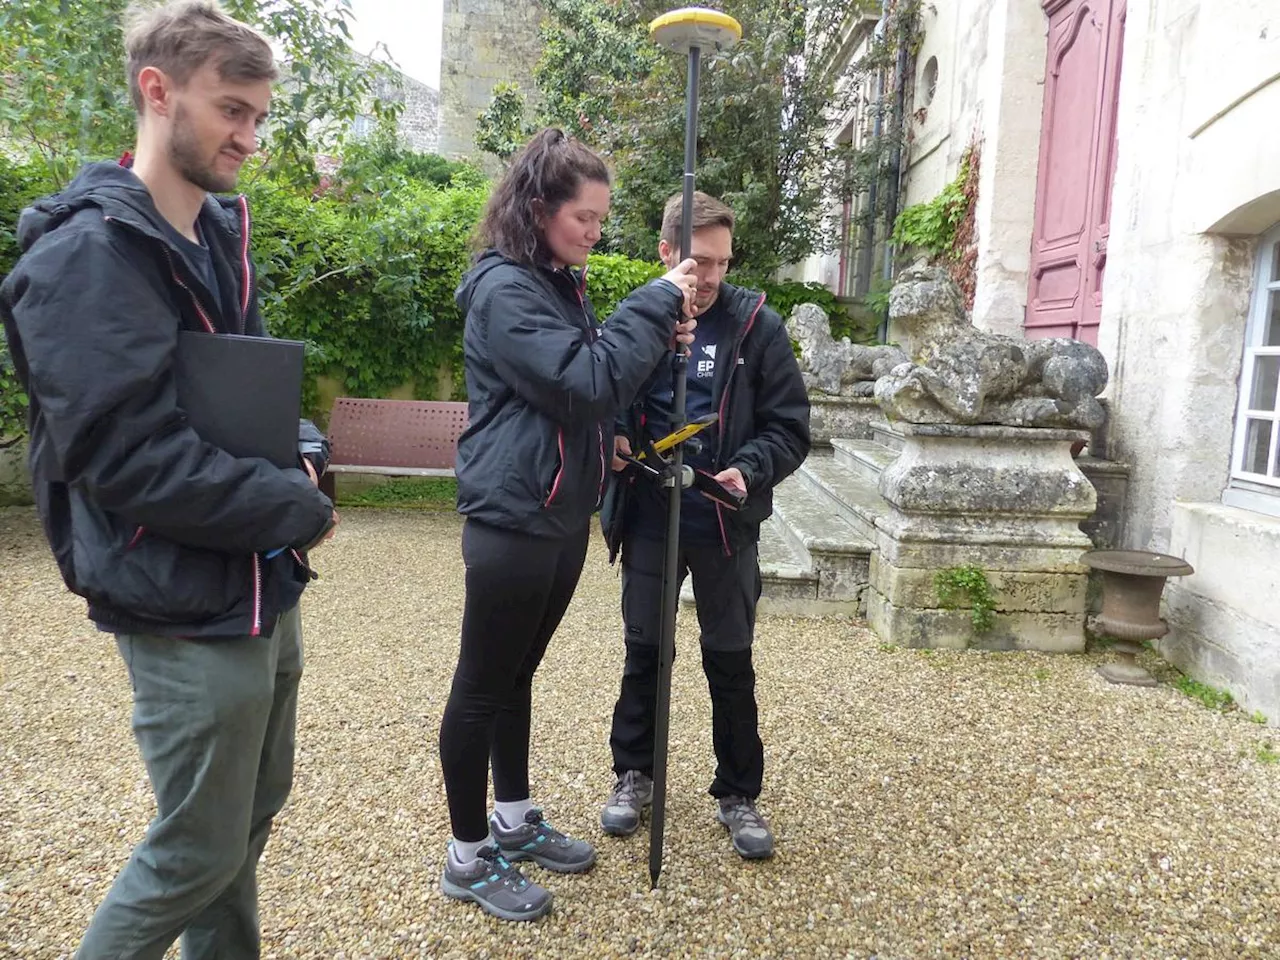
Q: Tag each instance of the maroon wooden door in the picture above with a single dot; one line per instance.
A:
(1077, 167)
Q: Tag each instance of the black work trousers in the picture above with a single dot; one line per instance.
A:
(726, 589)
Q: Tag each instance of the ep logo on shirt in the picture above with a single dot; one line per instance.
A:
(706, 367)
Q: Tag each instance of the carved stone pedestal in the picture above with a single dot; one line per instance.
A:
(847, 417)
(15, 479)
(1008, 500)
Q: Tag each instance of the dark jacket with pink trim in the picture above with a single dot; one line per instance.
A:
(544, 384)
(763, 428)
(161, 532)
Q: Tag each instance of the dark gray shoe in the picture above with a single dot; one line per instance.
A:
(500, 889)
(748, 830)
(537, 840)
(631, 794)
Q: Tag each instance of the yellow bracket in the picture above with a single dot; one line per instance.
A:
(683, 434)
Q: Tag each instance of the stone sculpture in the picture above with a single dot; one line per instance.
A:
(962, 375)
(837, 367)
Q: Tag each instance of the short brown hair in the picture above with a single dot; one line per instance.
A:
(182, 36)
(549, 168)
(707, 212)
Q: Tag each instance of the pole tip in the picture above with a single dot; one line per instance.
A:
(690, 27)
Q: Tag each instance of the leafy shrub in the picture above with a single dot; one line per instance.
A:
(610, 277)
(19, 186)
(369, 286)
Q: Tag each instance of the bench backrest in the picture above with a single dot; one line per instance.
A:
(396, 433)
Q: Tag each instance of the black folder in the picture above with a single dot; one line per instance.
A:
(243, 394)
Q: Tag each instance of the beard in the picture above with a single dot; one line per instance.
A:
(185, 155)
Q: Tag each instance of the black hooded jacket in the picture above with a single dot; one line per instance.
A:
(161, 532)
(545, 382)
(763, 428)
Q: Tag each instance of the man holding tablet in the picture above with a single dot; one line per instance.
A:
(744, 372)
(192, 554)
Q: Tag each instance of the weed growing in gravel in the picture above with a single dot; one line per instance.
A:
(1268, 754)
(887, 648)
(1042, 674)
(1211, 697)
(431, 493)
(1258, 717)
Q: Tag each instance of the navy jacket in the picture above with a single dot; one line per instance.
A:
(763, 428)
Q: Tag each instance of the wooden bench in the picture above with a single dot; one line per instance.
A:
(399, 438)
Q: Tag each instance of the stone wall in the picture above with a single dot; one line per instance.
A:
(485, 43)
(15, 479)
(1224, 628)
(1188, 196)
(419, 123)
(1196, 183)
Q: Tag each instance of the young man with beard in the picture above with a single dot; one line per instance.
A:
(743, 369)
(194, 559)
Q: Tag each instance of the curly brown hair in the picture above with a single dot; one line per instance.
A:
(549, 168)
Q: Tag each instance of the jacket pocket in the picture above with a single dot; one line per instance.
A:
(139, 572)
(557, 474)
(535, 476)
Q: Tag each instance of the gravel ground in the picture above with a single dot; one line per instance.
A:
(925, 805)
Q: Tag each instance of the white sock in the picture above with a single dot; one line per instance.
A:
(464, 854)
(512, 814)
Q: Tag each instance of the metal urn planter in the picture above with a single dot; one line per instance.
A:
(1132, 585)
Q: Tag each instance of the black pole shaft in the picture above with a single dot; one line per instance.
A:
(670, 582)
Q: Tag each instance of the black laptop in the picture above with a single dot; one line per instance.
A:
(243, 394)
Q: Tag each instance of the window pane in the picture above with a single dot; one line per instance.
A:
(1257, 446)
(1266, 376)
(1275, 262)
(1271, 321)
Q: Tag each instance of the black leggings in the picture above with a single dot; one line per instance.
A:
(518, 588)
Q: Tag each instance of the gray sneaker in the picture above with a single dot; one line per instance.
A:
(748, 830)
(631, 794)
(499, 888)
(537, 840)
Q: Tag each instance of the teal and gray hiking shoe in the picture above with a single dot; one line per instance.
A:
(499, 888)
(631, 794)
(748, 830)
(537, 840)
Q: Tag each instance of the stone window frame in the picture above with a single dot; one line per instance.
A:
(1247, 488)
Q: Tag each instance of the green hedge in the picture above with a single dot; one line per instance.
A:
(369, 286)
(19, 185)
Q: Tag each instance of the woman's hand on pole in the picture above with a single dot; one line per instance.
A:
(684, 277)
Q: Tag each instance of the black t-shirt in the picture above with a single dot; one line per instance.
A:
(698, 521)
(197, 254)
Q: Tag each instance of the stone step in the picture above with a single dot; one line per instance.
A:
(887, 435)
(839, 553)
(789, 584)
(780, 557)
(789, 581)
(865, 457)
(810, 523)
(845, 492)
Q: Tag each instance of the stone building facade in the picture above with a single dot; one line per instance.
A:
(1129, 196)
(419, 122)
(485, 43)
